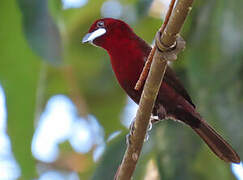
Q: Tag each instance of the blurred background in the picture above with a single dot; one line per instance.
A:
(63, 115)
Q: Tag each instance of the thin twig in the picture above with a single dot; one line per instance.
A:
(150, 90)
(146, 68)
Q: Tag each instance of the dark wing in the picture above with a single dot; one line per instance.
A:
(171, 79)
(170, 76)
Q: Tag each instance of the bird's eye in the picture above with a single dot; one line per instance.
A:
(100, 24)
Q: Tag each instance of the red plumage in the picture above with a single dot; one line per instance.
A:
(128, 54)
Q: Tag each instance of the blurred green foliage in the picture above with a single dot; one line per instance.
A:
(42, 55)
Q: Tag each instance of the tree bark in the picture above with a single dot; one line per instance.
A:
(150, 91)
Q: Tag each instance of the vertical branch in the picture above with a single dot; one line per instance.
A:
(150, 91)
(148, 63)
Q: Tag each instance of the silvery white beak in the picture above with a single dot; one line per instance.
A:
(93, 35)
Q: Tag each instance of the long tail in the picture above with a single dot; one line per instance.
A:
(216, 143)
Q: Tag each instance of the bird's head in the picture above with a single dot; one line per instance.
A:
(107, 32)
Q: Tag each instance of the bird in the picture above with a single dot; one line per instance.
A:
(128, 54)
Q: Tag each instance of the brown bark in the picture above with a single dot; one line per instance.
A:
(150, 90)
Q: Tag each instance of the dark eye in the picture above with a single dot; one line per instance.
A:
(100, 24)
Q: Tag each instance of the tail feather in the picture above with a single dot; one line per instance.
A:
(216, 143)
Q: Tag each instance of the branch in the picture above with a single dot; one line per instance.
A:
(151, 88)
(148, 63)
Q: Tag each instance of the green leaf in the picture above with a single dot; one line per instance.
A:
(40, 30)
(111, 159)
(19, 75)
(214, 61)
(91, 66)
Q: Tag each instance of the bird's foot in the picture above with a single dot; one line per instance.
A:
(128, 139)
(149, 128)
(154, 119)
(161, 112)
(170, 53)
(132, 127)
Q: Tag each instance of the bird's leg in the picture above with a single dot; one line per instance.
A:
(128, 139)
(149, 128)
(161, 112)
(154, 119)
(131, 128)
(169, 53)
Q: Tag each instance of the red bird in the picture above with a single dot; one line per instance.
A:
(128, 54)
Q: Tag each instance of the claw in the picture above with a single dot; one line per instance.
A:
(154, 120)
(128, 139)
(150, 126)
(146, 137)
(132, 126)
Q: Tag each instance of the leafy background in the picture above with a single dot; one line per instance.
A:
(42, 57)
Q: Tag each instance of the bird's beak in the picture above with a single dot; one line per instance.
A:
(89, 37)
